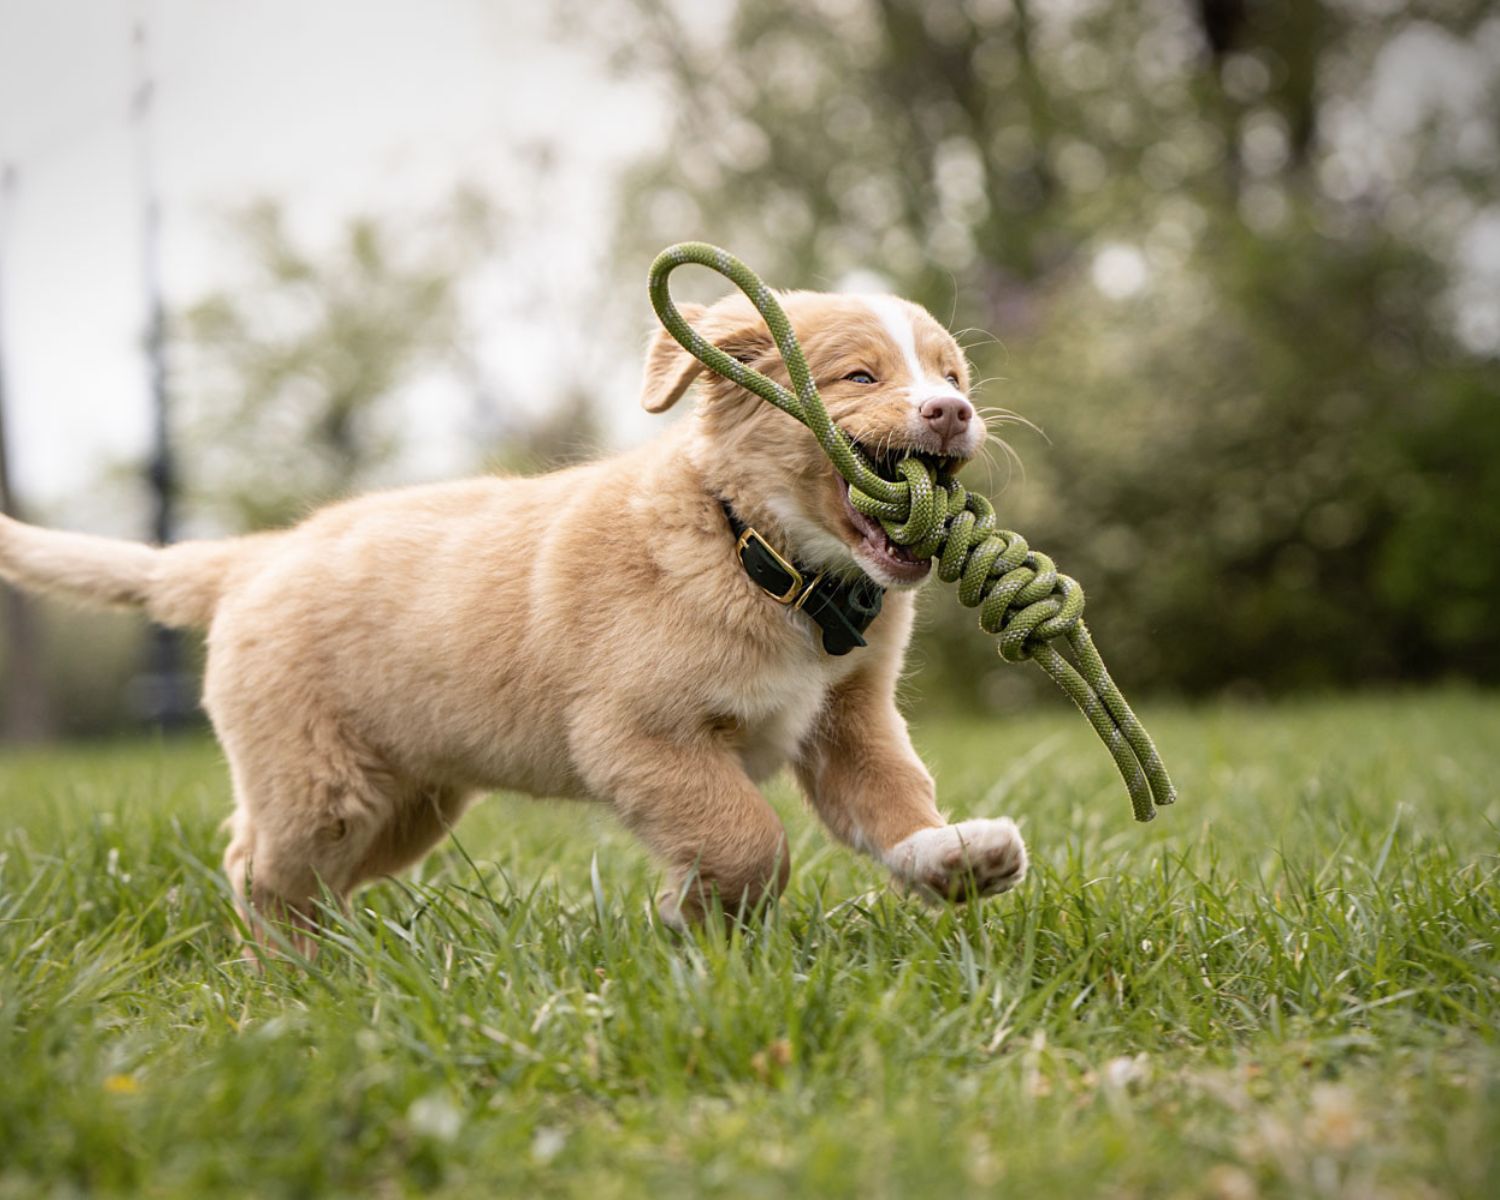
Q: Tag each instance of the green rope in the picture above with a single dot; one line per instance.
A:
(1020, 595)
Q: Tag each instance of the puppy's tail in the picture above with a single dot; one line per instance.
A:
(177, 585)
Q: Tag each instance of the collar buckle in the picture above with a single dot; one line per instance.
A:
(808, 591)
(841, 609)
(794, 588)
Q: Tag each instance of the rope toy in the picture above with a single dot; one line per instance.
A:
(1021, 597)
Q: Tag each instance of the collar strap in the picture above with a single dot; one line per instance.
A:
(842, 609)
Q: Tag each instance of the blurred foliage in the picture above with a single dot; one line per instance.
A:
(92, 662)
(292, 384)
(567, 432)
(286, 375)
(1217, 247)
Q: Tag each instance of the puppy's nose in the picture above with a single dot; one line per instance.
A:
(949, 416)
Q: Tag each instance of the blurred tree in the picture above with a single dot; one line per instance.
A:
(285, 375)
(291, 379)
(1221, 258)
(25, 710)
(568, 432)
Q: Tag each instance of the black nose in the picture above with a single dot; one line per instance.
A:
(949, 416)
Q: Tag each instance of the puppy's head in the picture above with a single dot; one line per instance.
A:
(891, 377)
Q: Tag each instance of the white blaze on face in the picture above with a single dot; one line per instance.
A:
(895, 317)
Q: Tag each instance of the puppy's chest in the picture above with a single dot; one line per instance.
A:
(769, 713)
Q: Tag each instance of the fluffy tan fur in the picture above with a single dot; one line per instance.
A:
(587, 633)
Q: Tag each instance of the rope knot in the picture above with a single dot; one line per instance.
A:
(1019, 592)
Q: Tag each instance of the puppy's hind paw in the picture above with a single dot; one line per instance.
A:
(979, 857)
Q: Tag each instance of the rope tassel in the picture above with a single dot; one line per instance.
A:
(1022, 599)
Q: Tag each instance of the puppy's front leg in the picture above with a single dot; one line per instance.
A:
(686, 795)
(872, 791)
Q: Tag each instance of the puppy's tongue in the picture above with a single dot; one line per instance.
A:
(898, 561)
(876, 535)
(869, 526)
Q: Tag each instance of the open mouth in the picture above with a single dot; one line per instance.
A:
(897, 563)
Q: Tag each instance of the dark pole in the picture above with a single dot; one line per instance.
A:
(167, 692)
(26, 712)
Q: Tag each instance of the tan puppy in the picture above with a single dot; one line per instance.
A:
(589, 633)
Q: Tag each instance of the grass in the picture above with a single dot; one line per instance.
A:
(1286, 986)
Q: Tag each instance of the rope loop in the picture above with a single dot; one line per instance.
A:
(1021, 596)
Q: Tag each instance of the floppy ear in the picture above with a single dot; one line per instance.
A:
(670, 370)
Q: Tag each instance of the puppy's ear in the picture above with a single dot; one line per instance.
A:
(670, 370)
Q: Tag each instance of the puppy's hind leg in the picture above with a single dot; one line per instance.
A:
(303, 825)
(691, 802)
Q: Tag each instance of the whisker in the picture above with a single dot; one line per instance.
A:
(990, 466)
(985, 337)
(1006, 416)
(988, 459)
(1010, 454)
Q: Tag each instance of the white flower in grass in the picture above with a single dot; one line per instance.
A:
(112, 866)
(547, 1144)
(1126, 1070)
(435, 1116)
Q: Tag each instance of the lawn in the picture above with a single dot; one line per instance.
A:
(1286, 986)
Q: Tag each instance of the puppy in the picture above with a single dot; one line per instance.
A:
(593, 633)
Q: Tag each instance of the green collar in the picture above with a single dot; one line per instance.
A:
(842, 609)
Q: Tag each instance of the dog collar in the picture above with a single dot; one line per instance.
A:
(842, 609)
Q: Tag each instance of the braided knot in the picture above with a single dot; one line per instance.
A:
(1020, 595)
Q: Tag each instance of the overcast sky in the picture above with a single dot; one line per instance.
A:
(336, 107)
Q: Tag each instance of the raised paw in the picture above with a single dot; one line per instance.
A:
(979, 857)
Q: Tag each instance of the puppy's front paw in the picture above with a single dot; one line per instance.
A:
(979, 857)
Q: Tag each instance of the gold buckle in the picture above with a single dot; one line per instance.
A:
(808, 591)
(791, 593)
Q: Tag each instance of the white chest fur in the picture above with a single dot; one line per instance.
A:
(777, 709)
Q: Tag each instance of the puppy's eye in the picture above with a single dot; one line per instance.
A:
(860, 377)
(952, 377)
